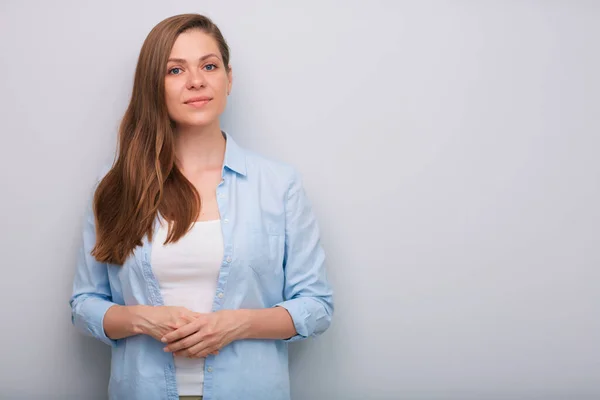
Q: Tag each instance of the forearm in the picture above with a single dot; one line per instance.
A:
(268, 323)
(124, 321)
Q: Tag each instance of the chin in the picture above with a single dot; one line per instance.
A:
(196, 122)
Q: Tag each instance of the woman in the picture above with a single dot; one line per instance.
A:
(200, 260)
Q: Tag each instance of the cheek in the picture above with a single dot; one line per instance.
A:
(221, 102)
(171, 97)
(221, 97)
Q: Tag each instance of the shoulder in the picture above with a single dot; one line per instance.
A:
(271, 171)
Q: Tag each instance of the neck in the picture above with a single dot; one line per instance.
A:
(199, 149)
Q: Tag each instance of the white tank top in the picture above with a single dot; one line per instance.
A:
(187, 273)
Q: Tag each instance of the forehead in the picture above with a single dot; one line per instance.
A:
(193, 44)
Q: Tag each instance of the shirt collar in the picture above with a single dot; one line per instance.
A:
(235, 156)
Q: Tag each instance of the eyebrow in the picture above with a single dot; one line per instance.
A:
(204, 57)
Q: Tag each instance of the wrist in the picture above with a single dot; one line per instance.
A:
(244, 323)
(140, 319)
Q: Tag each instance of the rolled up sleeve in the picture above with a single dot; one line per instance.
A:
(91, 296)
(307, 292)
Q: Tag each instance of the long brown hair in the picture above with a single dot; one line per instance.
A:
(144, 179)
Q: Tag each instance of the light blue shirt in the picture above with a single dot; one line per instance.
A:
(272, 257)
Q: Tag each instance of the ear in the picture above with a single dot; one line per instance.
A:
(230, 80)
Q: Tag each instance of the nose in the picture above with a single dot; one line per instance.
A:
(195, 79)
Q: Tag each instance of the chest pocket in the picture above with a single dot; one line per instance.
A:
(265, 248)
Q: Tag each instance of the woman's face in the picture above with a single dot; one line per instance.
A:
(196, 82)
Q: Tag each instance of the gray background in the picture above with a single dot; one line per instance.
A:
(450, 149)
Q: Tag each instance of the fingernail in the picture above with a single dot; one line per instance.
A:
(165, 349)
(164, 340)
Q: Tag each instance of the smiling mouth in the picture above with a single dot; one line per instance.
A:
(198, 103)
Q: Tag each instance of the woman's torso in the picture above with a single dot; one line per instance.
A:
(251, 204)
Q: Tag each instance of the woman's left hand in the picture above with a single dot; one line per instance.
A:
(206, 334)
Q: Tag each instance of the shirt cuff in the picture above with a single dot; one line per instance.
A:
(300, 316)
(89, 318)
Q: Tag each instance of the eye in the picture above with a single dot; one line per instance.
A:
(213, 67)
(175, 71)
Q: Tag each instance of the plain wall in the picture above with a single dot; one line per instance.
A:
(450, 148)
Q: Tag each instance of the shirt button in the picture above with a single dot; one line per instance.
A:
(220, 295)
(209, 369)
(228, 259)
(226, 221)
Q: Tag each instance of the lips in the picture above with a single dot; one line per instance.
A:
(198, 99)
(198, 102)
